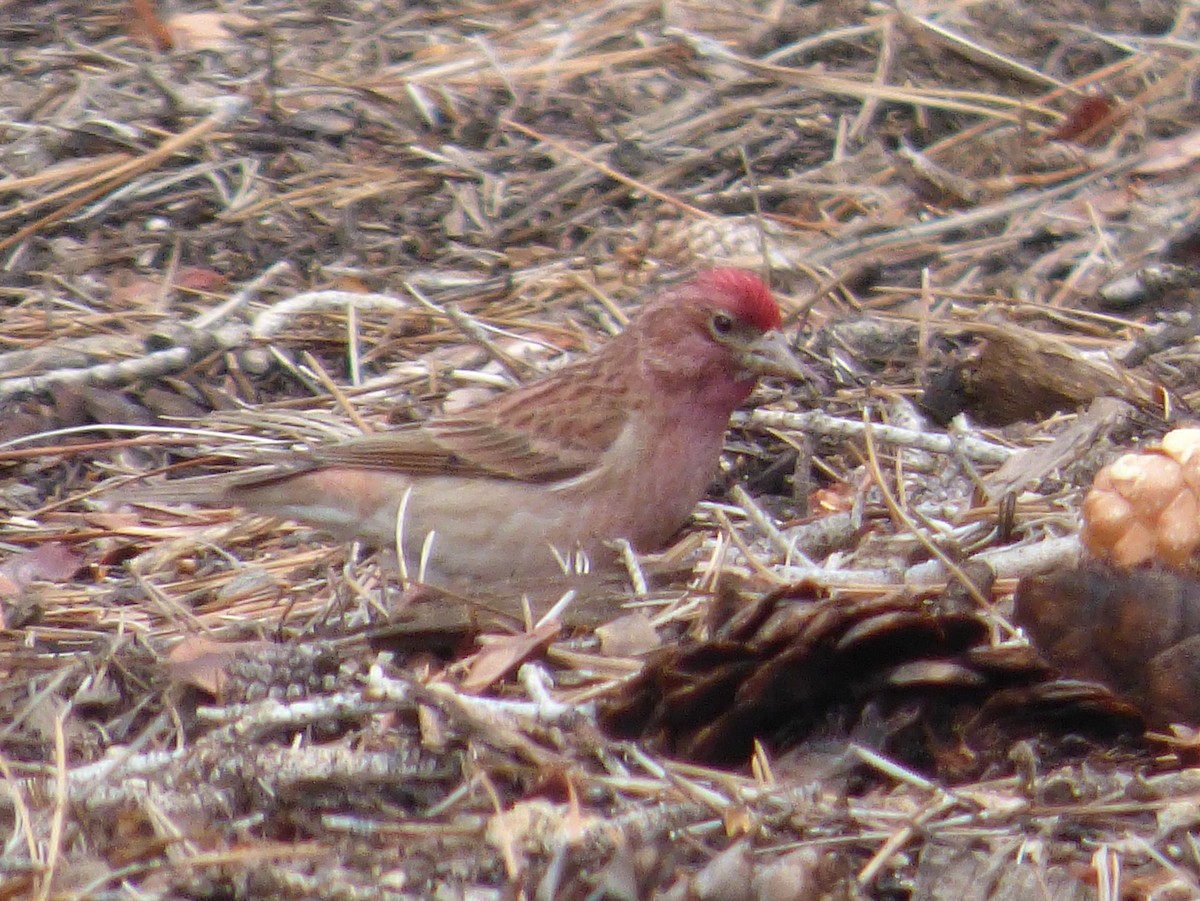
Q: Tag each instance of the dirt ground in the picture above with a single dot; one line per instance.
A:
(232, 226)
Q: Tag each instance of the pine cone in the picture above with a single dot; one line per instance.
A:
(1145, 506)
(1136, 632)
(916, 677)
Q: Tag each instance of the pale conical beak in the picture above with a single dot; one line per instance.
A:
(771, 355)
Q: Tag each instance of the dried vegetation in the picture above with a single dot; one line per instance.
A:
(259, 224)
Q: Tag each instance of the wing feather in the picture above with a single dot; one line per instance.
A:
(555, 429)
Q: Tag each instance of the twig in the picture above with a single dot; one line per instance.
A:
(820, 424)
(758, 516)
(153, 365)
(272, 322)
(904, 519)
(1007, 563)
(278, 269)
(475, 332)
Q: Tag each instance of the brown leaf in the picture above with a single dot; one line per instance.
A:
(1014, 374)
(207, 30)
(113, 522)
(148, 26)
(204, 664)
(53, 562)
(504, 654)
(1084, 120)
(197, 278)
(835, 499)
(628, 636)
(131, 290)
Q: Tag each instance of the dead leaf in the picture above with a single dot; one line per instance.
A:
(113, 522)
(147, 25)
(53, 562)
(1010, 374)
(628, 636)
(1085, 120)
(198, 278)
(837, 499)
(204, 664)
(535, 823)
(349, 282)
(132, 291)
(506, 653)
(207, 30)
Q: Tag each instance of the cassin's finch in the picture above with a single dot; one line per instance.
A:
(619, 444)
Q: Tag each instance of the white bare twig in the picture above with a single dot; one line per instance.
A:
(815, 422)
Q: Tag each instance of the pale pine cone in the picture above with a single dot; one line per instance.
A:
(1145, 506)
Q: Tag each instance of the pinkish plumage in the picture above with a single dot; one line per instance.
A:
(619, 444)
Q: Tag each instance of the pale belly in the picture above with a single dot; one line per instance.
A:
(455, 530)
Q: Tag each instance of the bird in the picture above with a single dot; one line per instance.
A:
(542, 480)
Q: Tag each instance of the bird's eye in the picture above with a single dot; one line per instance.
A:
(722, 323)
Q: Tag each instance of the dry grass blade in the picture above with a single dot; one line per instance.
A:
(384, 211)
